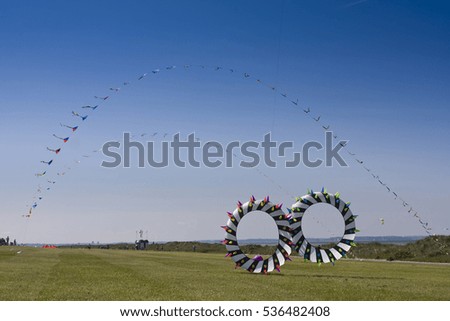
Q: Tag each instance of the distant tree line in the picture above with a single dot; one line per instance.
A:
(6, 242)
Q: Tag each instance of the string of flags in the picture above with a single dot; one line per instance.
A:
(294, 101)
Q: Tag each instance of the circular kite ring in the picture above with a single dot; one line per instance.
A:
(301, 244)
(258, 264)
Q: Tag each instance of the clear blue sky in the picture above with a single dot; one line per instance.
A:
(377, 71)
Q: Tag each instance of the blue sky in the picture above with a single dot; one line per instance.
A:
(376, 71)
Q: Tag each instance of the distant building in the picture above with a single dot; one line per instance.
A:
(141, 245)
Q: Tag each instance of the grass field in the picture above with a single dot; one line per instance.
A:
(81, 274)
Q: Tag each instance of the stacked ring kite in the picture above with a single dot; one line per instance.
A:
(258, 264)
(301, 244)
(290, 232)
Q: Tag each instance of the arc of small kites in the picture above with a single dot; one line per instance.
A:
(295, 101)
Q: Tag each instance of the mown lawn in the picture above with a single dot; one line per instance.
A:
(81, 274)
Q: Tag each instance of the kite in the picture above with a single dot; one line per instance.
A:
(90, 107)
(40, 174)
(142, 76)
(317, 254)
(65, 140)
(102, 98)
(48, 163)
(382, 221)
(74, 128)
(256, 265)
(29, 213)
(56, 151)
(317, 119)
(78, 115)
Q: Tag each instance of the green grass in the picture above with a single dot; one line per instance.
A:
(425, 250)
(430, 249)
(82, 274)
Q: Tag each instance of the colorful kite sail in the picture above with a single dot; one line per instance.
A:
(74, 128)
(78, 115)
(64, 139)
(48, 163)
(258, 264)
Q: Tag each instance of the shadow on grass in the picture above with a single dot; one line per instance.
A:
(306, 276)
